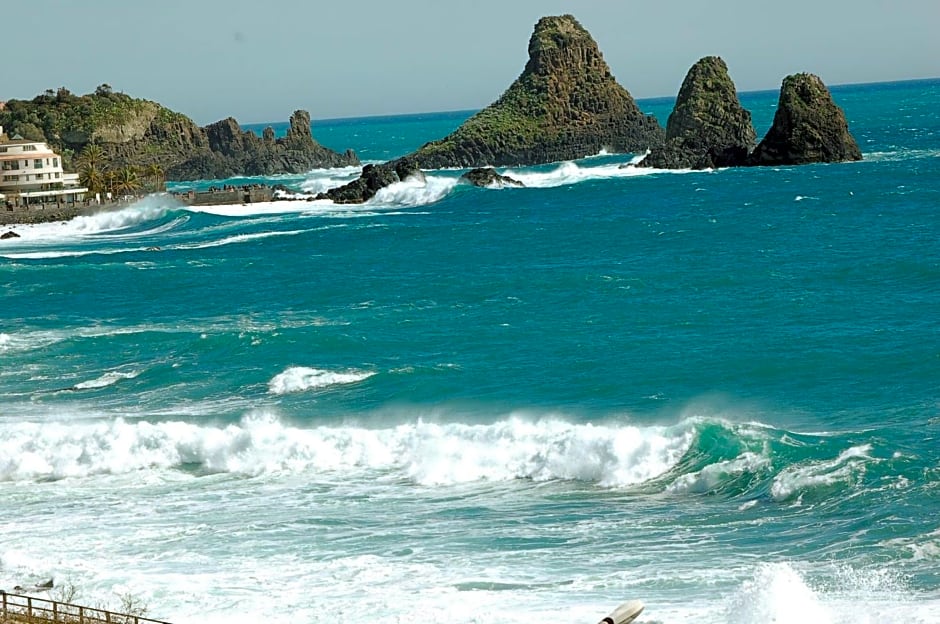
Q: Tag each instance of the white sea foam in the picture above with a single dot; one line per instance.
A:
(806, 477)
(572, 173)
(259, 208)
(415, 191)
(300, 378)
(424, 453)
(237, 238)
(778, 594)
(147, 209)
(322, 180)
(107, 379)
(711, 476)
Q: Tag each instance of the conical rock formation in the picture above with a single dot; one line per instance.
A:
(708, 126)
(565, 105)
(808, 127)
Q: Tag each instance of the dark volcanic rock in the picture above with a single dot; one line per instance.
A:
(564, 105)
(10, 234)
(808, 127)
(487, 177)
(708, 127)
(232, 151)
(373, 179)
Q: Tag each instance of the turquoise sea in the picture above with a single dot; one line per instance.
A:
(717, 392)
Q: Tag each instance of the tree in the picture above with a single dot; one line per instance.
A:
(154, 175)
(92, 156)
(92, 178)
(126, 181)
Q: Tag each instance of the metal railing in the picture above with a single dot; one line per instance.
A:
(17, 608)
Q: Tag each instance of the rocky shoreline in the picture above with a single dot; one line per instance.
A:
(565, 105)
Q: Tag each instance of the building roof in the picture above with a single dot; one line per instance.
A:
(22, 141)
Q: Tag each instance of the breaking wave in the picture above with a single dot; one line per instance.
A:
(424, 453)
(108, 379)
(300, 378)
(694, 457)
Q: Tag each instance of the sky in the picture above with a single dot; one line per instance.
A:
(258, 61)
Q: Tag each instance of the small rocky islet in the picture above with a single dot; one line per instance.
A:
(565, 105)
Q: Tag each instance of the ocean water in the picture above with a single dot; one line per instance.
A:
(717, 392)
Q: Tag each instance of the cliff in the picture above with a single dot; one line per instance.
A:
(565, 105)
(708, 127)
(808, 127)
(139, 132)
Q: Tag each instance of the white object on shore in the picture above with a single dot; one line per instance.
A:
(625, 613)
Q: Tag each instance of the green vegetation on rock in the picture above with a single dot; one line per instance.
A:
(565, 105)
(138, 133)
(708, 127)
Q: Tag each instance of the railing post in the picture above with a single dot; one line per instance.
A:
(29, 606)
(3, 594)
(55, 611)
(81, 615)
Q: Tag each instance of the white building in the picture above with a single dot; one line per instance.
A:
(31, 173)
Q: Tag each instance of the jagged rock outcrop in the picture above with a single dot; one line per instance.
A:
(233, 151)
(708, 127)
(138, 132)
(486, 177)
(373, 179)
(808, 127)
(565, 105)
(8, 235)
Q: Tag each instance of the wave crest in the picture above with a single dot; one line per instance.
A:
(301, 378)
(424, 453)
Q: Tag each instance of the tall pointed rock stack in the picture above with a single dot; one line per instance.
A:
(708, 127)
(564, 105)
(808, 127)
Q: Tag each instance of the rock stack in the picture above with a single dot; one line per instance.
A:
(808, 127)
(708, 127)
(565, 105)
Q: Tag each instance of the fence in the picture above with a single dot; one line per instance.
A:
(15, 608)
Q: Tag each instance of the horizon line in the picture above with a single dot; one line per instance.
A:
(456, 111)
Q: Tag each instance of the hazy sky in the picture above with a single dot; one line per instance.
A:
(258, 61)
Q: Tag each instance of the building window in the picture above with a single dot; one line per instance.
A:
(29, 148)
(57, 175)
(37, 163)
(9, 165)
(3, 150)
(11, 178)
(55, 162)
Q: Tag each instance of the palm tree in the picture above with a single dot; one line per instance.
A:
(92, 156)
(154, 174)
(92, 178)
(126, 181)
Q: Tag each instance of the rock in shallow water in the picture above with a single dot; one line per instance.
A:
(808, 127)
